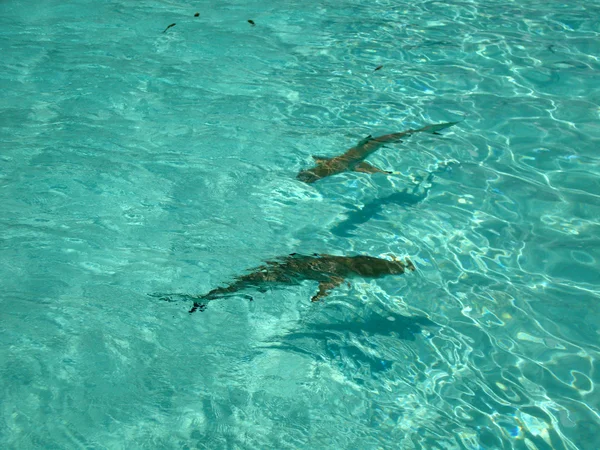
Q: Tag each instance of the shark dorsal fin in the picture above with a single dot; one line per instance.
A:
(320, 159)
(365, 140)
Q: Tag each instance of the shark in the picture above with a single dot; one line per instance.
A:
(328, 270)
(354, 158)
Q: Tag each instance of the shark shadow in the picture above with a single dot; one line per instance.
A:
(349, 339)
(373, 209)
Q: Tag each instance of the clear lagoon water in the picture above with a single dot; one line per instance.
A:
(135, 161)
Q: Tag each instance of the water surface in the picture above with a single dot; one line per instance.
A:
(134, 161)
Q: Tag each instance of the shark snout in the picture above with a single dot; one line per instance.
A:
(399, 266)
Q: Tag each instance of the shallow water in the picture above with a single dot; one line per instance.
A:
(134, 161)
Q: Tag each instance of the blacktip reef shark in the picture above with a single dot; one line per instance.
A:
(354, 158)
(330, 271)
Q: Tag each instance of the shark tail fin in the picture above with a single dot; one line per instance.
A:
(173, 297)
(436, 128)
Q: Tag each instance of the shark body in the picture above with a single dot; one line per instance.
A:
(354, 158)
(330, 271)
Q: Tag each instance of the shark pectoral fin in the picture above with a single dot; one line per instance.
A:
(325, 287)
(368, 168)
(320, 159)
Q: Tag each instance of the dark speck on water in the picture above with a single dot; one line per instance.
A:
(172, 25)
(251, 22)
(378, 68)
(197, 15)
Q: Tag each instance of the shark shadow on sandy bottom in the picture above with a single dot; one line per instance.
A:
(373, 209)
(351, 339)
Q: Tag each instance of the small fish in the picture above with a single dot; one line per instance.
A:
(197, 15)
(172, 25)
(378, 68)
(251, 22)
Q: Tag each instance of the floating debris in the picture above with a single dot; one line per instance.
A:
(251, 22)
(197, 15)
(172, 25)
(378, 68)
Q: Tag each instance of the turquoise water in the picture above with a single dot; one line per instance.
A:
(134, 161)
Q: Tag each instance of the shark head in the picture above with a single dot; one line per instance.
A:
(396, 265)
(391, 265)
(376, 267)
